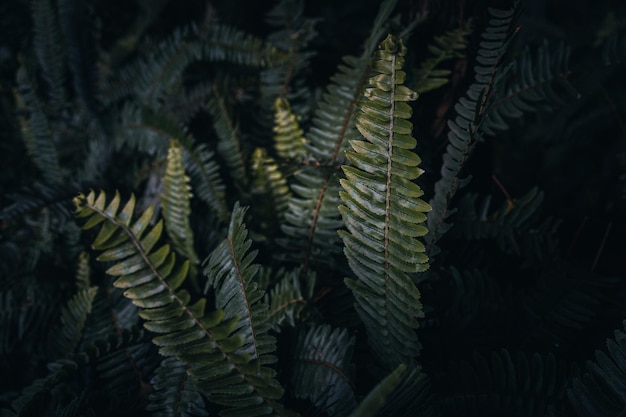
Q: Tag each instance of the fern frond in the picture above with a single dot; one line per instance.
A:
(289, 141)
(229, 146)
(377, 397)
(601, 391)
(176, 204)
(175, 393)
(537, 82)
(269, 184)
(220, 359)
(73, 317)
(36, 129)
(411, 393)
(462, 136)
(383, 212)
(614, 49)
(313, 218)
(450, 45)
(323, 370)
(50, 52)
(288, 301)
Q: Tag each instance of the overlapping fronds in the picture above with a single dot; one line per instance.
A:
(206, 180)
(463, 129)
(154, 76)
(176, 204)
(411, 393)
(288, 136)
(64, 370)
(383, 212)
(229, 367)
(36, 129)
(537, 82)
(323, 370)
(175, 393)
(288, 300)
(313, 218)
(269, 185)
(601, 390)
(450, 45)
(511, 384)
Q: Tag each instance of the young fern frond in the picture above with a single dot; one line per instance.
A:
(313, 219)
(289, 141)
(383, 212)
(450, 45)
(463, 132)
(323, 370)
(175, 393)
(176, 205)
(220, 358)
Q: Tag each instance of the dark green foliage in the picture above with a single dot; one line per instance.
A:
(260, 242)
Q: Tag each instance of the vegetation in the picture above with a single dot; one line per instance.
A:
(211, 212)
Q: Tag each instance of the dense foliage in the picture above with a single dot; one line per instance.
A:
(394, 208)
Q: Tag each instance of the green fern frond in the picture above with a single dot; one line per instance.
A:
(269, 186)
(83, 271)
(220, 359)
(450, 45)
(36, 129)
(462, 136)
(176, 204)
(289, 141)
(601, 390)
(383, 212)
(412, 393)
(614, 49)
(323, 370)
(175, 393)
(313, 218)
(73, 317)
(287, 301)
(229, 146)
(206, 180)
(231, 273)
(377, 397)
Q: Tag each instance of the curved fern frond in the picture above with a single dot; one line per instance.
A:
(450, 45)
(462, 136)
(36, 129)
(269, 183)
(288, 137)
(323, 370)
(383, 212)
(175, 393)
(176, 204)
(411, 393)
(313, 218)
(377, 397)
(220, 359)
(601, 391)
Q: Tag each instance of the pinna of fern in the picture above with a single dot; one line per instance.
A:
(383, 211)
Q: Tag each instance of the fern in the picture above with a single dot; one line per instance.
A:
(600, 391)
(289, 141)
(375, 400)
(175, 392)
(323, 370)
(313, 219)
(450, 45)
(73, 317)
(463, 134)
(288, 301)
(383, 212)
(229, 367)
